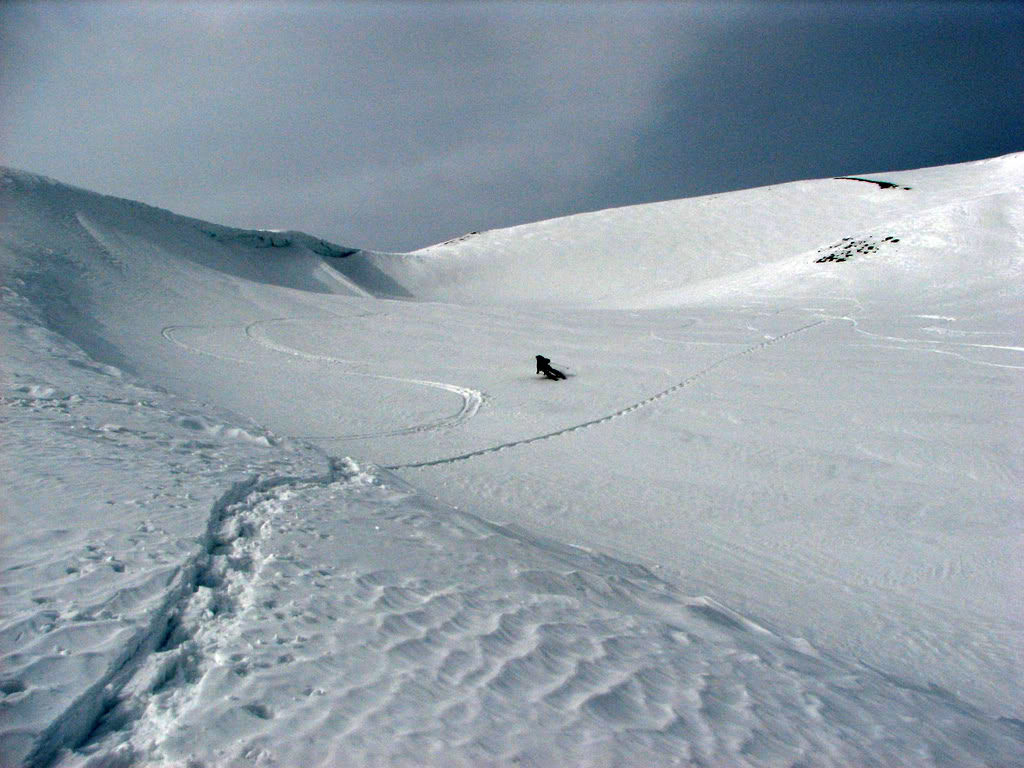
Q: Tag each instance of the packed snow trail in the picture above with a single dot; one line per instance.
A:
(688, 381)
(103, 544)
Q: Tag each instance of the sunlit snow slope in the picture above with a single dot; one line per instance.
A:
(773, 516)
(660, 254)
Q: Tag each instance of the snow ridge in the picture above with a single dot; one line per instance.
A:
(271, 238)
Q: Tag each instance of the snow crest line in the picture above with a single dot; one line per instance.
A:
(689, 380)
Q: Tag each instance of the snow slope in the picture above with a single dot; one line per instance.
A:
(659, 254)
(772, 517)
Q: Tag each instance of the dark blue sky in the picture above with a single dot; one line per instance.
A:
(394, 126)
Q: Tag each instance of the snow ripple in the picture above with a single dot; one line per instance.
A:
(479, 644)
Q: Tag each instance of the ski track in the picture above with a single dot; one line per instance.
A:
(694, 342)
(168, 333)
(688, 381)
(951, 354)
(166, 651)
(942, 342)
(471, 399)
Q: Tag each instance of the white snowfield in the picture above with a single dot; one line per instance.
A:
(270, 501)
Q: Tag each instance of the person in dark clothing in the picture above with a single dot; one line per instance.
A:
(544, 366)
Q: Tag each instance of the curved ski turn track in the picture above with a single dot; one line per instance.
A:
(471, 399)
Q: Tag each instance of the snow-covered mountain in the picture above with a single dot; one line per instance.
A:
(268, 500)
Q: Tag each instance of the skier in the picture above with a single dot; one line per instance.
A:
(544, 366)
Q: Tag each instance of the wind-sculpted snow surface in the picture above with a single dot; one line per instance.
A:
(322, 613)
(481, 645)
(772, 517)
